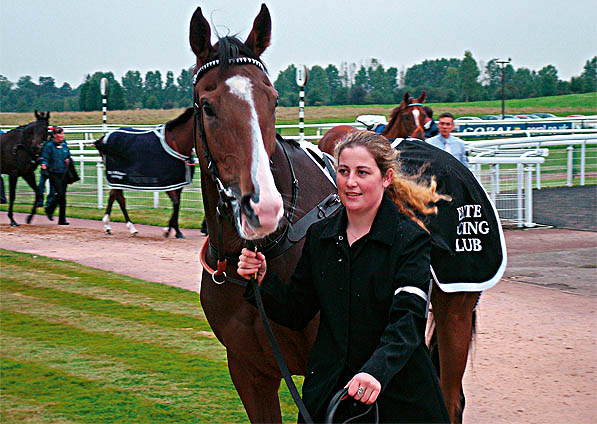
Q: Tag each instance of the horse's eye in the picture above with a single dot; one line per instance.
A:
(208, 108)
(276, 105)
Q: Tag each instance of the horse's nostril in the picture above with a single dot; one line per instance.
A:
(247, 209)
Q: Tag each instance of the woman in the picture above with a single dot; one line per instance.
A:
(55, 160)
(366, 270)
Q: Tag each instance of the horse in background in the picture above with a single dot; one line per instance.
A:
(117, 157)
(408, 119)
(20, 150)
(255, 188)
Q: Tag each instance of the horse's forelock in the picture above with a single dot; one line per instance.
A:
(230, 47)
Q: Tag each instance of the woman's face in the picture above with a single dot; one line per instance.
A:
(360, 183)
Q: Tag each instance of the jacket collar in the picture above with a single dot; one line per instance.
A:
(382, 228)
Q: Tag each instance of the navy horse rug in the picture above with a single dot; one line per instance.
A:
(142, 160)
(468, 250)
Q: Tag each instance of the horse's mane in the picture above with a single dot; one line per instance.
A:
(184, 117)
(230, 47)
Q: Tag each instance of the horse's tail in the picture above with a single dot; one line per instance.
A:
(100, 145)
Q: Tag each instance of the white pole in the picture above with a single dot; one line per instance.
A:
(100, 185)
(570, 165)
(519, 214)
(104, 91)
(302, 114)
(583, 160)
(156, 199)
(529, 196)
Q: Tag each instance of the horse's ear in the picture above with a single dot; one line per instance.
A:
(422, 97)
(36, 114)
(261, 34)
(200, 36)
(405, 98)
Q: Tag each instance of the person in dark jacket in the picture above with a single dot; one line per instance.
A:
(366, 271)
(431, 129)
(44, 176)
(55, 159)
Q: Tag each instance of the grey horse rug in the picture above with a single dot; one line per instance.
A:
(468, 250)
(142, 160)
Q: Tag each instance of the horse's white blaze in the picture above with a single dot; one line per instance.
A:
(416, 116)
(269, 208)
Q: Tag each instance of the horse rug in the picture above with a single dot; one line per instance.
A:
(468, 247)
(142, 160)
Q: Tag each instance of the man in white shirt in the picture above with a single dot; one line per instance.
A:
(446, 141)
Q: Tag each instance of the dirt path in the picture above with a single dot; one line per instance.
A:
(535, 356)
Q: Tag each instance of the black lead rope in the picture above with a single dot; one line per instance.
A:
(278, 354)
(335, 402)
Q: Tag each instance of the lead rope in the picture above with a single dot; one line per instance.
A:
(276, 350)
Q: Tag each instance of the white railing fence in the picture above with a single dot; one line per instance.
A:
(507, 168)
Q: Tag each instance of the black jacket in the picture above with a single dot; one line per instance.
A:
(364, 326)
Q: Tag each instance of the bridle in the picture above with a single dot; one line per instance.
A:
(419, 127)
(227, 206)
(27, 148)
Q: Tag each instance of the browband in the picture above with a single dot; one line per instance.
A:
(233, 61)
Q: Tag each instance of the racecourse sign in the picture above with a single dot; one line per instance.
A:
(511, 126)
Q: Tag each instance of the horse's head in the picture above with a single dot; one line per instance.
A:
(235, 105)
(39, 129)
(408, 119)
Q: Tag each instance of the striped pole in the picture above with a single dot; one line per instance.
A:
(302, 114)
(104, 91)
(302, 75)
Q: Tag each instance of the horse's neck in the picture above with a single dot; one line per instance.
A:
(180, 137)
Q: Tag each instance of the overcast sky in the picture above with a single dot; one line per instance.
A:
(68, 39)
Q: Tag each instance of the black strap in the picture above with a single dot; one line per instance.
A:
(278, 355)
(335, 402)
(325, 208)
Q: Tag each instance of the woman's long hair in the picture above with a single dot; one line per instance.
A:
(413, 197)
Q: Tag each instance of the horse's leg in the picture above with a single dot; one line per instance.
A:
(2, 192)
(258, 392)
(453, 314)
(122, 203)
(173, 223)
(106, 218)
(12, 192)
(30, 178)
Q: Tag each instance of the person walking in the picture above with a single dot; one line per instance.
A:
(41, 185)
(55, 159)
(446, 141)
(366, 271)
(430, 127)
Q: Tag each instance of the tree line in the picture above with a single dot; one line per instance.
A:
(444, 80)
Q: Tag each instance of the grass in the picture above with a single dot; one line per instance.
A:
(585, 103)
(80, 345)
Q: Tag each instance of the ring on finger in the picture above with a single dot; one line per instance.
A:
(360, 391)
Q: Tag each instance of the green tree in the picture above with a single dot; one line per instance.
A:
(6, 102)
(288, 90)
(90, 97)
(589, 76)
(153, 87)
(523, 84)
(170, 92)
(334, 82)
(185, 87)
(133, 88)
(468, 77)
(548, 81)
(317, 90)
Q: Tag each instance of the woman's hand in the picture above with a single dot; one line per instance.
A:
(250, 263)
(364, 387)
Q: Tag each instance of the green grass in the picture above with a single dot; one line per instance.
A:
(80, 345)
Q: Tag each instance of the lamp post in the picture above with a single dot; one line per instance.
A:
(503, 64)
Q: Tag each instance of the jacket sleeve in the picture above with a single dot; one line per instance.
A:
(406, 319)
(46, 155)
(292, 304)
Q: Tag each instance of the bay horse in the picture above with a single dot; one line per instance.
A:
(408, 119)
(255, 188)
(20, 150)
(175, 135)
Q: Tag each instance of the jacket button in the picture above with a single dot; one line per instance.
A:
(340, 260)
(340, 238)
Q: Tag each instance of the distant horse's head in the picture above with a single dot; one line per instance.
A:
(235, 110)
(37, 132)
(408, 119)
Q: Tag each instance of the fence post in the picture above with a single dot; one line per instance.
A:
(529, 196)
(100, 185)
(519, 210)
(156, 199)
(492, 193)
(570, 150)
(497, 178)
(82, 168)
(583, 152)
